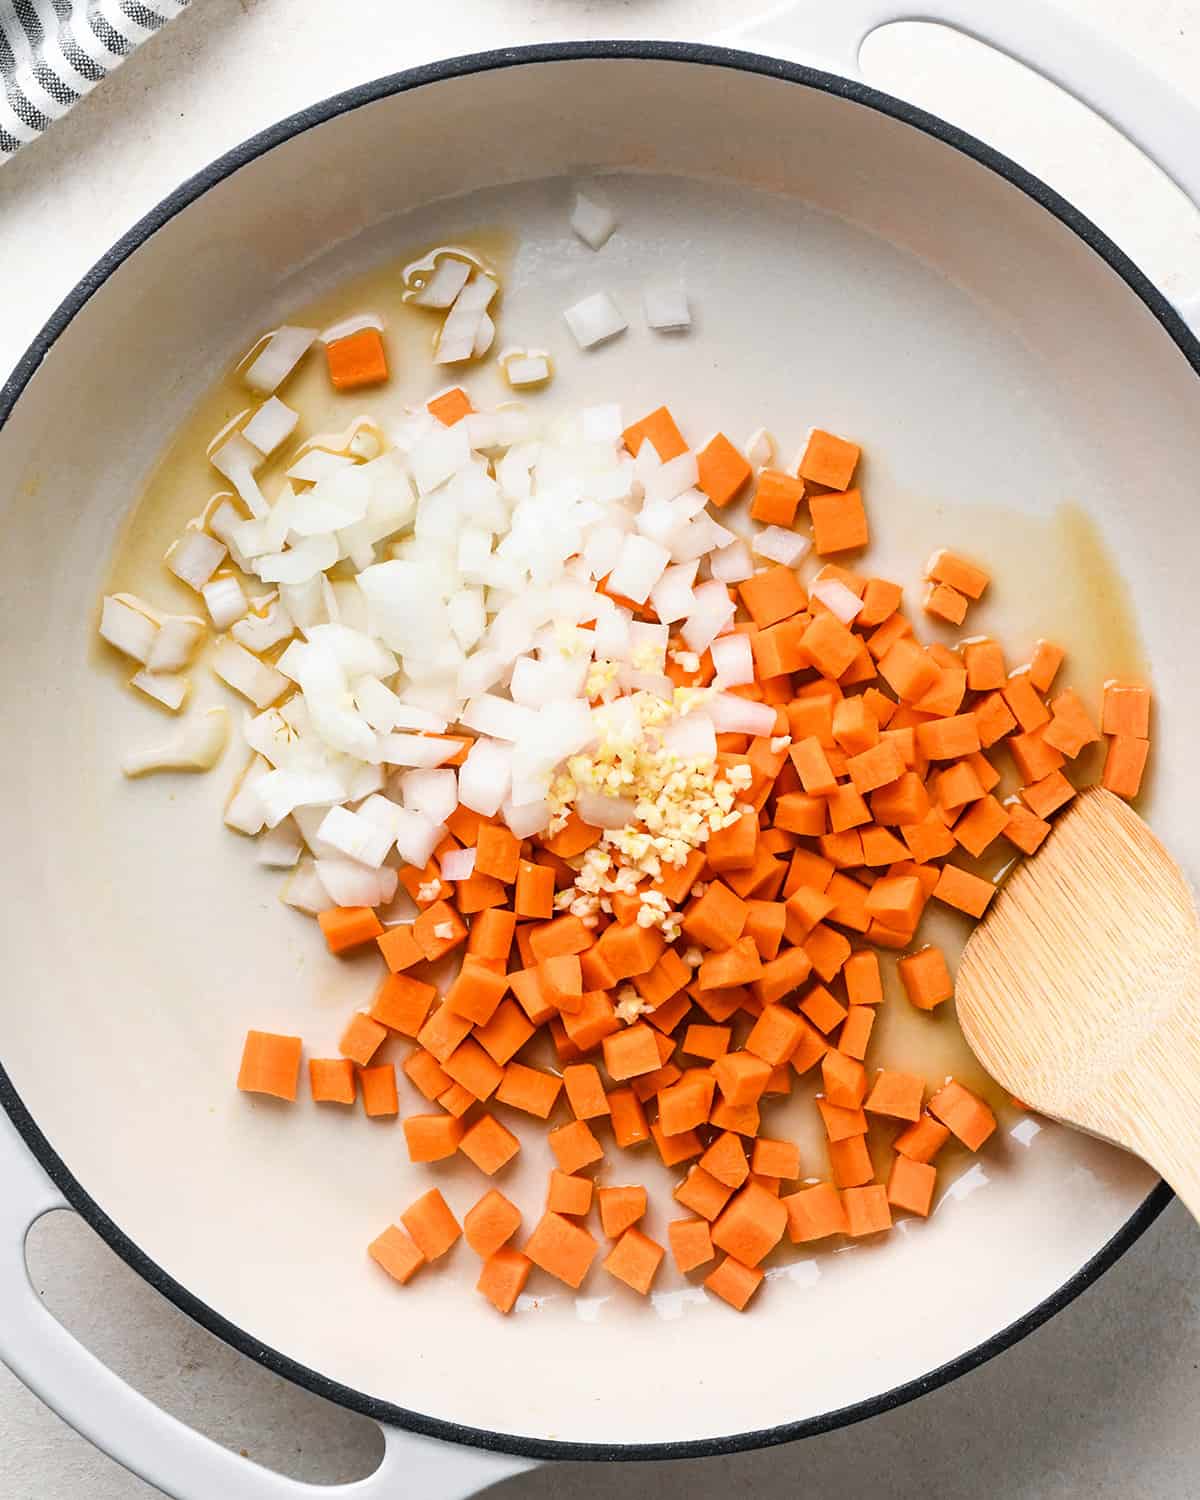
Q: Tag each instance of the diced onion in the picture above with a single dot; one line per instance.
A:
(733, 715)
(167, 688)
(317, 464)
(246, 674)
(640, 564)
(176, 642)
(417, 836)
(837, 598)
(259, 632)
(733, 660)
(305, 892)
(356, 837)
(244, 810)
(346, 326)
(527, 818)
(352, 884)
(196, 745)
(666, 306)
(594, 320)
(760, 449)
(281, 792)
(415, 750)
(732, 564)
(273, 423)
(692, 736)
(284, 350)
(781, 545)
(523, 368)
(458, 864)
(485, 777)
(605, 812)
(127, 628)
(225, 600)
(431, 792)
(592, 221)
(195, 557)
(279, 848)
(497, 717)
(447, 279)
(237, 460)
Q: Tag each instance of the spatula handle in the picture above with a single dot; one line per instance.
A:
(1163, 1123)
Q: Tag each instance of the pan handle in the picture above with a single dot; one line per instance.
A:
(132, 1430)
(1147, 109)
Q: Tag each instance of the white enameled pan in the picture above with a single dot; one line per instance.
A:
(853, 262)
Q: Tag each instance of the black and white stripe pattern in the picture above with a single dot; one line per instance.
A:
(53, 51)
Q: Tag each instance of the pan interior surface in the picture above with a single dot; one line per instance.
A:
(846, 270)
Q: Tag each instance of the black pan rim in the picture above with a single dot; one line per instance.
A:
(188, 192)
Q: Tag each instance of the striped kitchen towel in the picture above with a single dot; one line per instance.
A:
(53, 51)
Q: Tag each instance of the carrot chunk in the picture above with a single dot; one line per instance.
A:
(433, 1228)
(574, 1146)
(357, 360)
(776, 498)
(691, 1243)
(569, 1194)
(867, 1209)
(734, 1282)
(949, 568)
(270, 1064)
(723, 471)
(910, 1185)
(829, 460)
(926, 977)
(620, 1208)
(528, 1089)
(378, 1088)
(564, 1249)
(450, 407)
(397, 1253)
(772, 595)
(660, 431)
(492, 1222)
(635, 1260)
(814, 1213)
(967, 1116)
(703, 1193)
(1124, 765)
(923, 1139)
(347, 927)
(964, 891)
(489, 1144)
(850, 1161)
(751, 1225)
(432, 1137)
(331, 1080)
(503, 1278)
(1126, 709)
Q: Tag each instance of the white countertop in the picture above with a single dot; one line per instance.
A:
(1102, 1400)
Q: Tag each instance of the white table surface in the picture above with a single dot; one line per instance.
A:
(1101, 1401)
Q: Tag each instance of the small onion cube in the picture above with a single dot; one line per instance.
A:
(225, 601)
(781, 545)
(299, 564)
(357, 838)
(279, 848)
(671, 479)
(259, 632)
(176, 641)
(281, 792)
(126, 628)
(438, 455)
(837, 598)
(305, 892)
(352, 884)
(732, 564)
(666, 306)
(602, 424)
(671, 597)
(733, 715)
(247, 675)
(527, 818)
(760, 449)
(733, 661)
(195, 557)
(431, 793)
(594, 320)
(458, 864)
(244, 810)
(237, 460)
(526, 369)
(417, 837)
(444, 283)
(284, 350)
(691, 737)
(498, 718)
(416, 750)
(714, 610)
(485, 777)
(592, 221)
(599, 811)
(346, 326)
(640, 564)
(167, 688)
(317, 464)
(196, 745)
(273, 423)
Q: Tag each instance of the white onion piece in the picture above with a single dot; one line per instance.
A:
(334, 503)
(464, 321)
(592, 220)
(467, 617)
(432, 793)
(458, 864)
(602, 424)
(732, 564)
(273, 423)
(481, 671)
(527, 818)
(837, 598)
(485, 777)
(691, 737)
(417, 837)
(308, 820)
(733, 715)
(639, 566)
(304, 602)
(760, 449)
(673, 478)
(442, 452)
(195, 557)
(300, 563)
(498, 718)
(447, 279)
(196, 745)
(605, 812)
(666, 306)
(237, 460)
(346, 326)
(175, 644)
(225, 600)
(259, 632)
(733, 660)
(127, 628)
(699, 537)
(317, 464)
(594, 320)
(357, 653)
(244, 810)
(279, 848)
(671, 597)
(247, 675)
(613, 639)
(281, 792)
(603, 548)
(352, 884)
(415, 750)
(221, 520)
(167, 688)
(382, 812)
(522, 369)
(384, 710)
(714, 610)
(485, 334)
(284, 350)
(363, 781)
(781, 545)
(305, 892)
(357, 838)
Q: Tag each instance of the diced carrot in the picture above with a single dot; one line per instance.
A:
(707, 1041)
(470, 1065)
(270, 1064)
(331, 1080)
(774, 1035)
(489, 1144)
(964, 891)
(957, 785)
(737, 964)
(1024, 702)
(923, 1139)
(691, 1243)
(630, 950)
(984, 661)
(881, 640)
(965, 1113)
(451, 406)
(733, 846)
(910, 1185)
(949, 567)
(425, 1073)
(1070, 727)
(850, 1161)
(947, 739)
(703, 1193)
(945, 603)
(503, 1278)
(1024, 829)
(628, 1118)
(828, 951)
(880, 766)
(497, 853)
(743, 1119)
(673, 1149)
(585, 1092)
(722, 470)
(534, 890)
(620, 1208)
(880, 600)
(357, 360)
(777, 497)
(926, 977)
(439, 930)
(668, 976)
(772, 595)
(799, 812)
(945, 697)
(433, 1228)
(630, 1052)
(776, 1158)
(528, 1089)
(667, 1016)
(1044, 665)
(676, 882)
(476, 992)
(400, 948)
(1125, 765)
(432, 1137)
(981, 825)
(779, 649)
(1126, 709)
(741, 1077)
(734, 1282)
(829, 460)
(397, 1253)
(765, 924)
(685, 1105)
(831, 647)
(844, 1079)
(904, 803)
(377, 1086)
(564, 1249)
(402, 1004)
(457, 1100)
(1050, 793)
(660, 429)
(595, 1020)
(896, 1094)
(506, 1033)
(564, 936)
(814, 1213)
(634, 1259)
(569, 1194)
(716, 919)
(896, 901)
(841, 1121)
(863, 983)
(993, 719)
(574, 1146)
(347, 927)
(751, 1225)
(1035, 757)
(867, 1209)
(908, 669)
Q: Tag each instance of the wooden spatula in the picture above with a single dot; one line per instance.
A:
(1080, 990)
